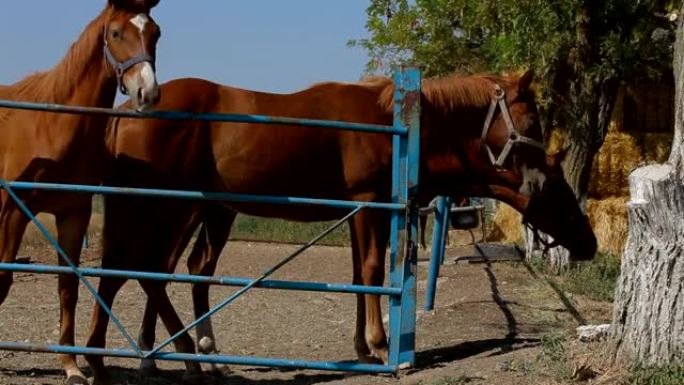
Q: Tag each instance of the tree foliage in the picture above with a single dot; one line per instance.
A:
(628, 37)
(581, 51)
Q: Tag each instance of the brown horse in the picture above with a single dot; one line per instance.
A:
(116, 48)
(299, 161)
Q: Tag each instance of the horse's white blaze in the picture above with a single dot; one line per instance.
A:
(147, 76)
(533, 180)
(140, 21)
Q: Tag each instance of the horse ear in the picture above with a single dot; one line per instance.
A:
(134, 4)
(525, 81)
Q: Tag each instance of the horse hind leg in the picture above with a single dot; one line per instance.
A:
(203, 260)
(148, 367)
(173, 324)
(363, 352)
(71, 228)
(371, 231)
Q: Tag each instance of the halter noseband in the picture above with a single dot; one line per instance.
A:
(120, 68)
(514, 137)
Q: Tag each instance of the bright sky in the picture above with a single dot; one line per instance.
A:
(266, 45)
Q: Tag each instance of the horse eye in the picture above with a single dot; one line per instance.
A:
(116, 34)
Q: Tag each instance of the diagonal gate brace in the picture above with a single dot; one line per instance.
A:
(22, 206)
(255, 282)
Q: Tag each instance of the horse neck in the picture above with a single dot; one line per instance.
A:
(82, 77)
(446, 147)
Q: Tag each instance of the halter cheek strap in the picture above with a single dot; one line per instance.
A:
(514, 137)
(120, 68)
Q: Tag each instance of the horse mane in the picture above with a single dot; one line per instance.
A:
(450, 92)
(58, 83)
(368, 81)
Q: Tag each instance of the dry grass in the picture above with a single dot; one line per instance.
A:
(34, 238)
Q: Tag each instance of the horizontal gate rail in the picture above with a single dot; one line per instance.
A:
(206, 196)
(343, 366)
(403, 234)
(209, 117)
(218, 281)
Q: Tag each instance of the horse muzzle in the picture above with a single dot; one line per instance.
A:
(142, 87)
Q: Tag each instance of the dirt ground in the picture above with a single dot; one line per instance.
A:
(489, 327)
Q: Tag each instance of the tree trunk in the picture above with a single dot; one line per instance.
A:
(585, 104)
(648, 318)
(588, 108)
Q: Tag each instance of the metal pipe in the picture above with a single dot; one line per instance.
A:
(209, 117)
(265, 275)
(220, 281)
(344, 366)
(71, 265)
(441, 221)
(200, 195)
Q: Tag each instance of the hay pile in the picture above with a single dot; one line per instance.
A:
(506, 225)
(619, 155)
(656, 146)
(608, 218)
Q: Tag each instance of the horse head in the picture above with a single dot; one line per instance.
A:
(130, 41)
(512, 140)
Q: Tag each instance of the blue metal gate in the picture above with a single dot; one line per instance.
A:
(403, 248)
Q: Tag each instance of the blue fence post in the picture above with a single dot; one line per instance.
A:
(445, 229)
(404, 232)
(438, 245)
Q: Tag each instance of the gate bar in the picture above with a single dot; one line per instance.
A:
(208, 117)
(202, 195)
(71, 264)
(220, 281)
(268, 272)
(342, 366)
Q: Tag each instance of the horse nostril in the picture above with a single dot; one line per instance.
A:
(140, 94)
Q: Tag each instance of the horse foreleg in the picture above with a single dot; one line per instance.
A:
(12, 226)
(107, 290)
(71, 228)
(203, 259)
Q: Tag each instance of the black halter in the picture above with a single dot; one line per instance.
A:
(120, 68)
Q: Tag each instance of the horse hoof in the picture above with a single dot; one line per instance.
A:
(76, 380)
(364, 359)
(149, 371)
(220, 370)
(197, 379)
(106, 381)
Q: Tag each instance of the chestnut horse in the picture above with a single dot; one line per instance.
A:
(116, 50)
(457, 159)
